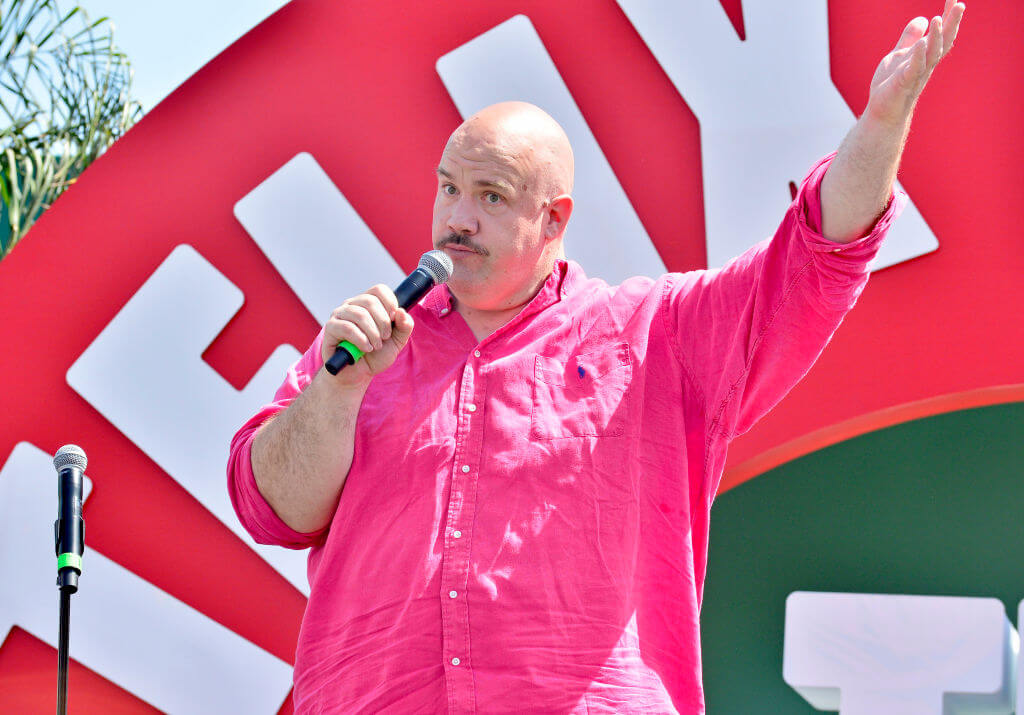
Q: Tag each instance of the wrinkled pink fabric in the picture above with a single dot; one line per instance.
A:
(525, 523)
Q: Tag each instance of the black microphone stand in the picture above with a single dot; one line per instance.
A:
(62, 652)
(69, 567)
(69, 543)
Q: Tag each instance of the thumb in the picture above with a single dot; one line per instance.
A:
(403, 328)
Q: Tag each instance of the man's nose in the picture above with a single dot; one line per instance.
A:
(462, 218)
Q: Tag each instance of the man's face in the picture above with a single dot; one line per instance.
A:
(489, 218)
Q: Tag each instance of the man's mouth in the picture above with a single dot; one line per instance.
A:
(461, 244)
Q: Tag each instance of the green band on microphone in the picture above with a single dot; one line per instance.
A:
(352, 350)
(69, 560)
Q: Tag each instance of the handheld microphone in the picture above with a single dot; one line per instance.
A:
(435, 268)
(69, 529)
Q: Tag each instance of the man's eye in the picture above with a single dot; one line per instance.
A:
(448, 189)
(492, 198)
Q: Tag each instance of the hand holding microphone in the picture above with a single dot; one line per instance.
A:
(369, 330)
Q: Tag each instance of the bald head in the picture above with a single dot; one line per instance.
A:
(502, 206)
(527, 137)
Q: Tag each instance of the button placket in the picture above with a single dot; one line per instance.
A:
(455, 567)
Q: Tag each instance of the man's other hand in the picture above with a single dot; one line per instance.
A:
(903, 73)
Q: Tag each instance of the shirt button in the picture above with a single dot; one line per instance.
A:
(457, 534)
(455, 661)
(444, 311)
(836, 250)
(453, 594)
(465, 469)
(471, 407)
(476, 353)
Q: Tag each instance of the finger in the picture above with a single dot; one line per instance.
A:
(364, 318)
(898, 57)
(951, 26)
(918, 66)
(913, 32)
(338, 331)
(387, 297)
(380, 314)
(913, 69)
(945, 10)
(366, 332)
(934, 40)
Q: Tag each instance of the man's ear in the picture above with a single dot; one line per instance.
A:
(559, 210)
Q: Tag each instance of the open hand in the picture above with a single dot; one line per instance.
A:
(903, 73)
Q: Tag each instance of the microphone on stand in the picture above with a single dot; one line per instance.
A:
(435, 268)
(69, 529)
(69, 540)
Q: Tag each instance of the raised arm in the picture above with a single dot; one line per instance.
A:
(857, 188)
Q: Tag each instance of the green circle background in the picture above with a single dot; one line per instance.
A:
(929, 507)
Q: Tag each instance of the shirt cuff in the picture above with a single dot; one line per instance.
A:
(255, 513)
(807, 208)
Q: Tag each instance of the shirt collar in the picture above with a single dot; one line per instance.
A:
(562, 281)
(439, 301)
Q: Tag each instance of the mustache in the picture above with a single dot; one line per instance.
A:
(460, 239)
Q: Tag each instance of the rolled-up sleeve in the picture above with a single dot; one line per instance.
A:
(255, 514)
(842, 267)
(747, 333)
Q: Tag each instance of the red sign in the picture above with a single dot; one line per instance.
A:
(355, 85)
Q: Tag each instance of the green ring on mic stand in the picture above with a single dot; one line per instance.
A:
(352, 350)
(69, 560)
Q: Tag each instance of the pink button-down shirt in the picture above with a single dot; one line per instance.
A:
(525, 522)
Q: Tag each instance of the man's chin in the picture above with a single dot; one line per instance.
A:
(457, 282)
(463, 283)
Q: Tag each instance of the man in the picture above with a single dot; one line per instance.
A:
(507, 506)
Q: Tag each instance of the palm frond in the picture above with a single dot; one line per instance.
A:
(64, 98)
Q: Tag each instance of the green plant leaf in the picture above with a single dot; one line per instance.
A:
(65, 96)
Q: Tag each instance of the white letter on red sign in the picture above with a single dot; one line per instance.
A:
(124, 378)
(767, 110)
(605, 235)
(124, 628)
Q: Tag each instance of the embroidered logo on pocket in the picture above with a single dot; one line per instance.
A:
(582, 396)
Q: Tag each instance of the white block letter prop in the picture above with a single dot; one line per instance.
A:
(605, 235)
(315, 239)
(124, 628)
(1020, 662)
(866, 654)
(171, 403)
(767, 110)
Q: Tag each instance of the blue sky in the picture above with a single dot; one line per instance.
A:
(167, 42)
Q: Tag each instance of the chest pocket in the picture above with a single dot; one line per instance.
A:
(585, 396)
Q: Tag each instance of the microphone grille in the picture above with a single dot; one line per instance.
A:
(70, 455)
(438, 265)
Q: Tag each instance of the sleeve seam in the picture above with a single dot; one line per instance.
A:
(678, 353)
(717, 421)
